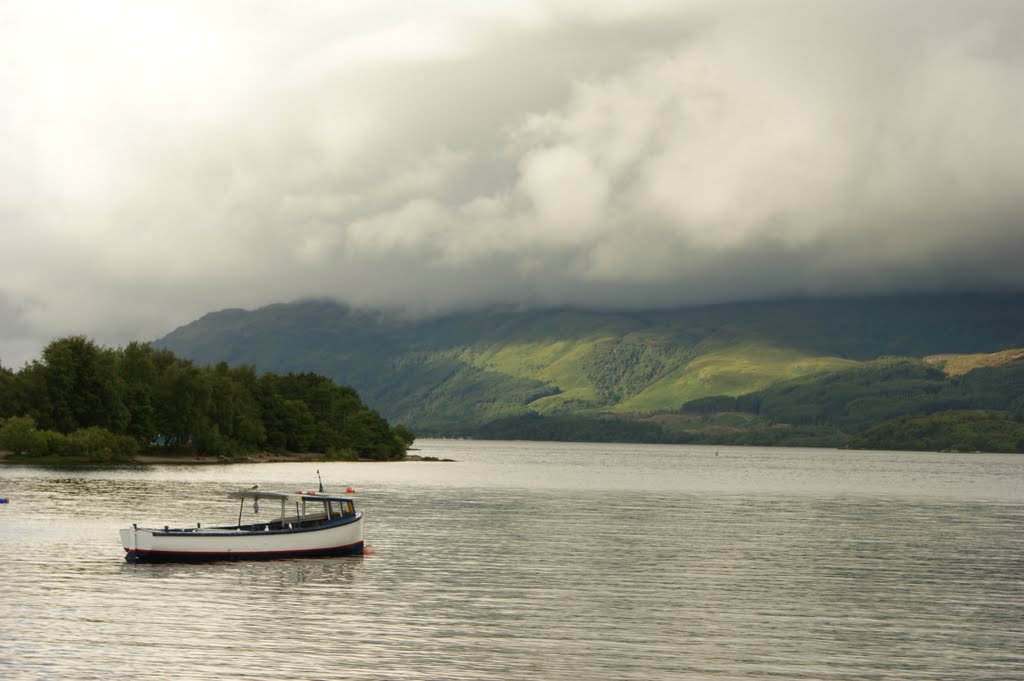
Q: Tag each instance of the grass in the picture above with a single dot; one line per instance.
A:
(735, 370)
(958, 365)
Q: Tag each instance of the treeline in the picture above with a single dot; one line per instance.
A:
(570, 428)
(855, 399)
(110, 403)
(958, 431)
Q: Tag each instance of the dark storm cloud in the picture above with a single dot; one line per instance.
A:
(167, 160)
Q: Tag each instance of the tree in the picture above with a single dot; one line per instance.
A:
(300, 426)
(406, 435)
(370, 435)
(83, 385)
(182, 399)
(18, 434)
(7, 397)
(139, 373)
(234, 412)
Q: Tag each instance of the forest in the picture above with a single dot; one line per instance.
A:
(894, 403)
(84, 402)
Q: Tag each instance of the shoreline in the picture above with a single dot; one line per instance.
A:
(166, 459)
(200, 460)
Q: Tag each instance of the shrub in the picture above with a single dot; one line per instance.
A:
(19, 435)
(53, 443)
(100, 444)
(342, 454)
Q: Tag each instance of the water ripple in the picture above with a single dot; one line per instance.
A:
(573, 577)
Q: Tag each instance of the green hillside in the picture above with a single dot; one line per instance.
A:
(960, 431)
(484, 372)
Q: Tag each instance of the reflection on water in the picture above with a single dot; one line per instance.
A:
(539, 560)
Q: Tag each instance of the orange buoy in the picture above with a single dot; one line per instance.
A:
(349, 490)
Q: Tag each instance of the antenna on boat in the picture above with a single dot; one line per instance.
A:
(321, 481)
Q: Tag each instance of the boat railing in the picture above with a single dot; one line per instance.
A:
(289, 522)
(310, 520)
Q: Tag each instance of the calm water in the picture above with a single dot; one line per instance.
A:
(538, 561)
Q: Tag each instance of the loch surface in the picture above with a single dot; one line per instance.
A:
(534, 560)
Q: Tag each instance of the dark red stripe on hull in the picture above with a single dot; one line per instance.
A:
(207, 557)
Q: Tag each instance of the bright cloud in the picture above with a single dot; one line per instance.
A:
(165, 160)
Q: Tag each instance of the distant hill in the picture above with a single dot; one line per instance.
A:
(957, 365)
(495, 371)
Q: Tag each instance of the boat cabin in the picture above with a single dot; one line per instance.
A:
(277, 511)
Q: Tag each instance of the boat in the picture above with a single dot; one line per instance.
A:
(292, 525)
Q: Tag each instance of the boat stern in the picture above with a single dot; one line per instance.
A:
(135, 541)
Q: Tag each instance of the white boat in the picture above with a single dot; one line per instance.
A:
(292, 525)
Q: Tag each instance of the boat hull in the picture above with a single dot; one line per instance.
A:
(146, 545)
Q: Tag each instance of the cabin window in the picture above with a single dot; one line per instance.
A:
(347, 508)
(335, 510)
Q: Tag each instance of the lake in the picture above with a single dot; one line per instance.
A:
(538, 560)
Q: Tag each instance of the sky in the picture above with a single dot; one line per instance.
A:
(161, 160)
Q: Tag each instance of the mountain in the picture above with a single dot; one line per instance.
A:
(499, 368)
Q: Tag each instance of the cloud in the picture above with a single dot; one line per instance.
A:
(567, 192)
(167, 160)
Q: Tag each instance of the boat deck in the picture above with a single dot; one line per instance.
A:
(287, 525)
